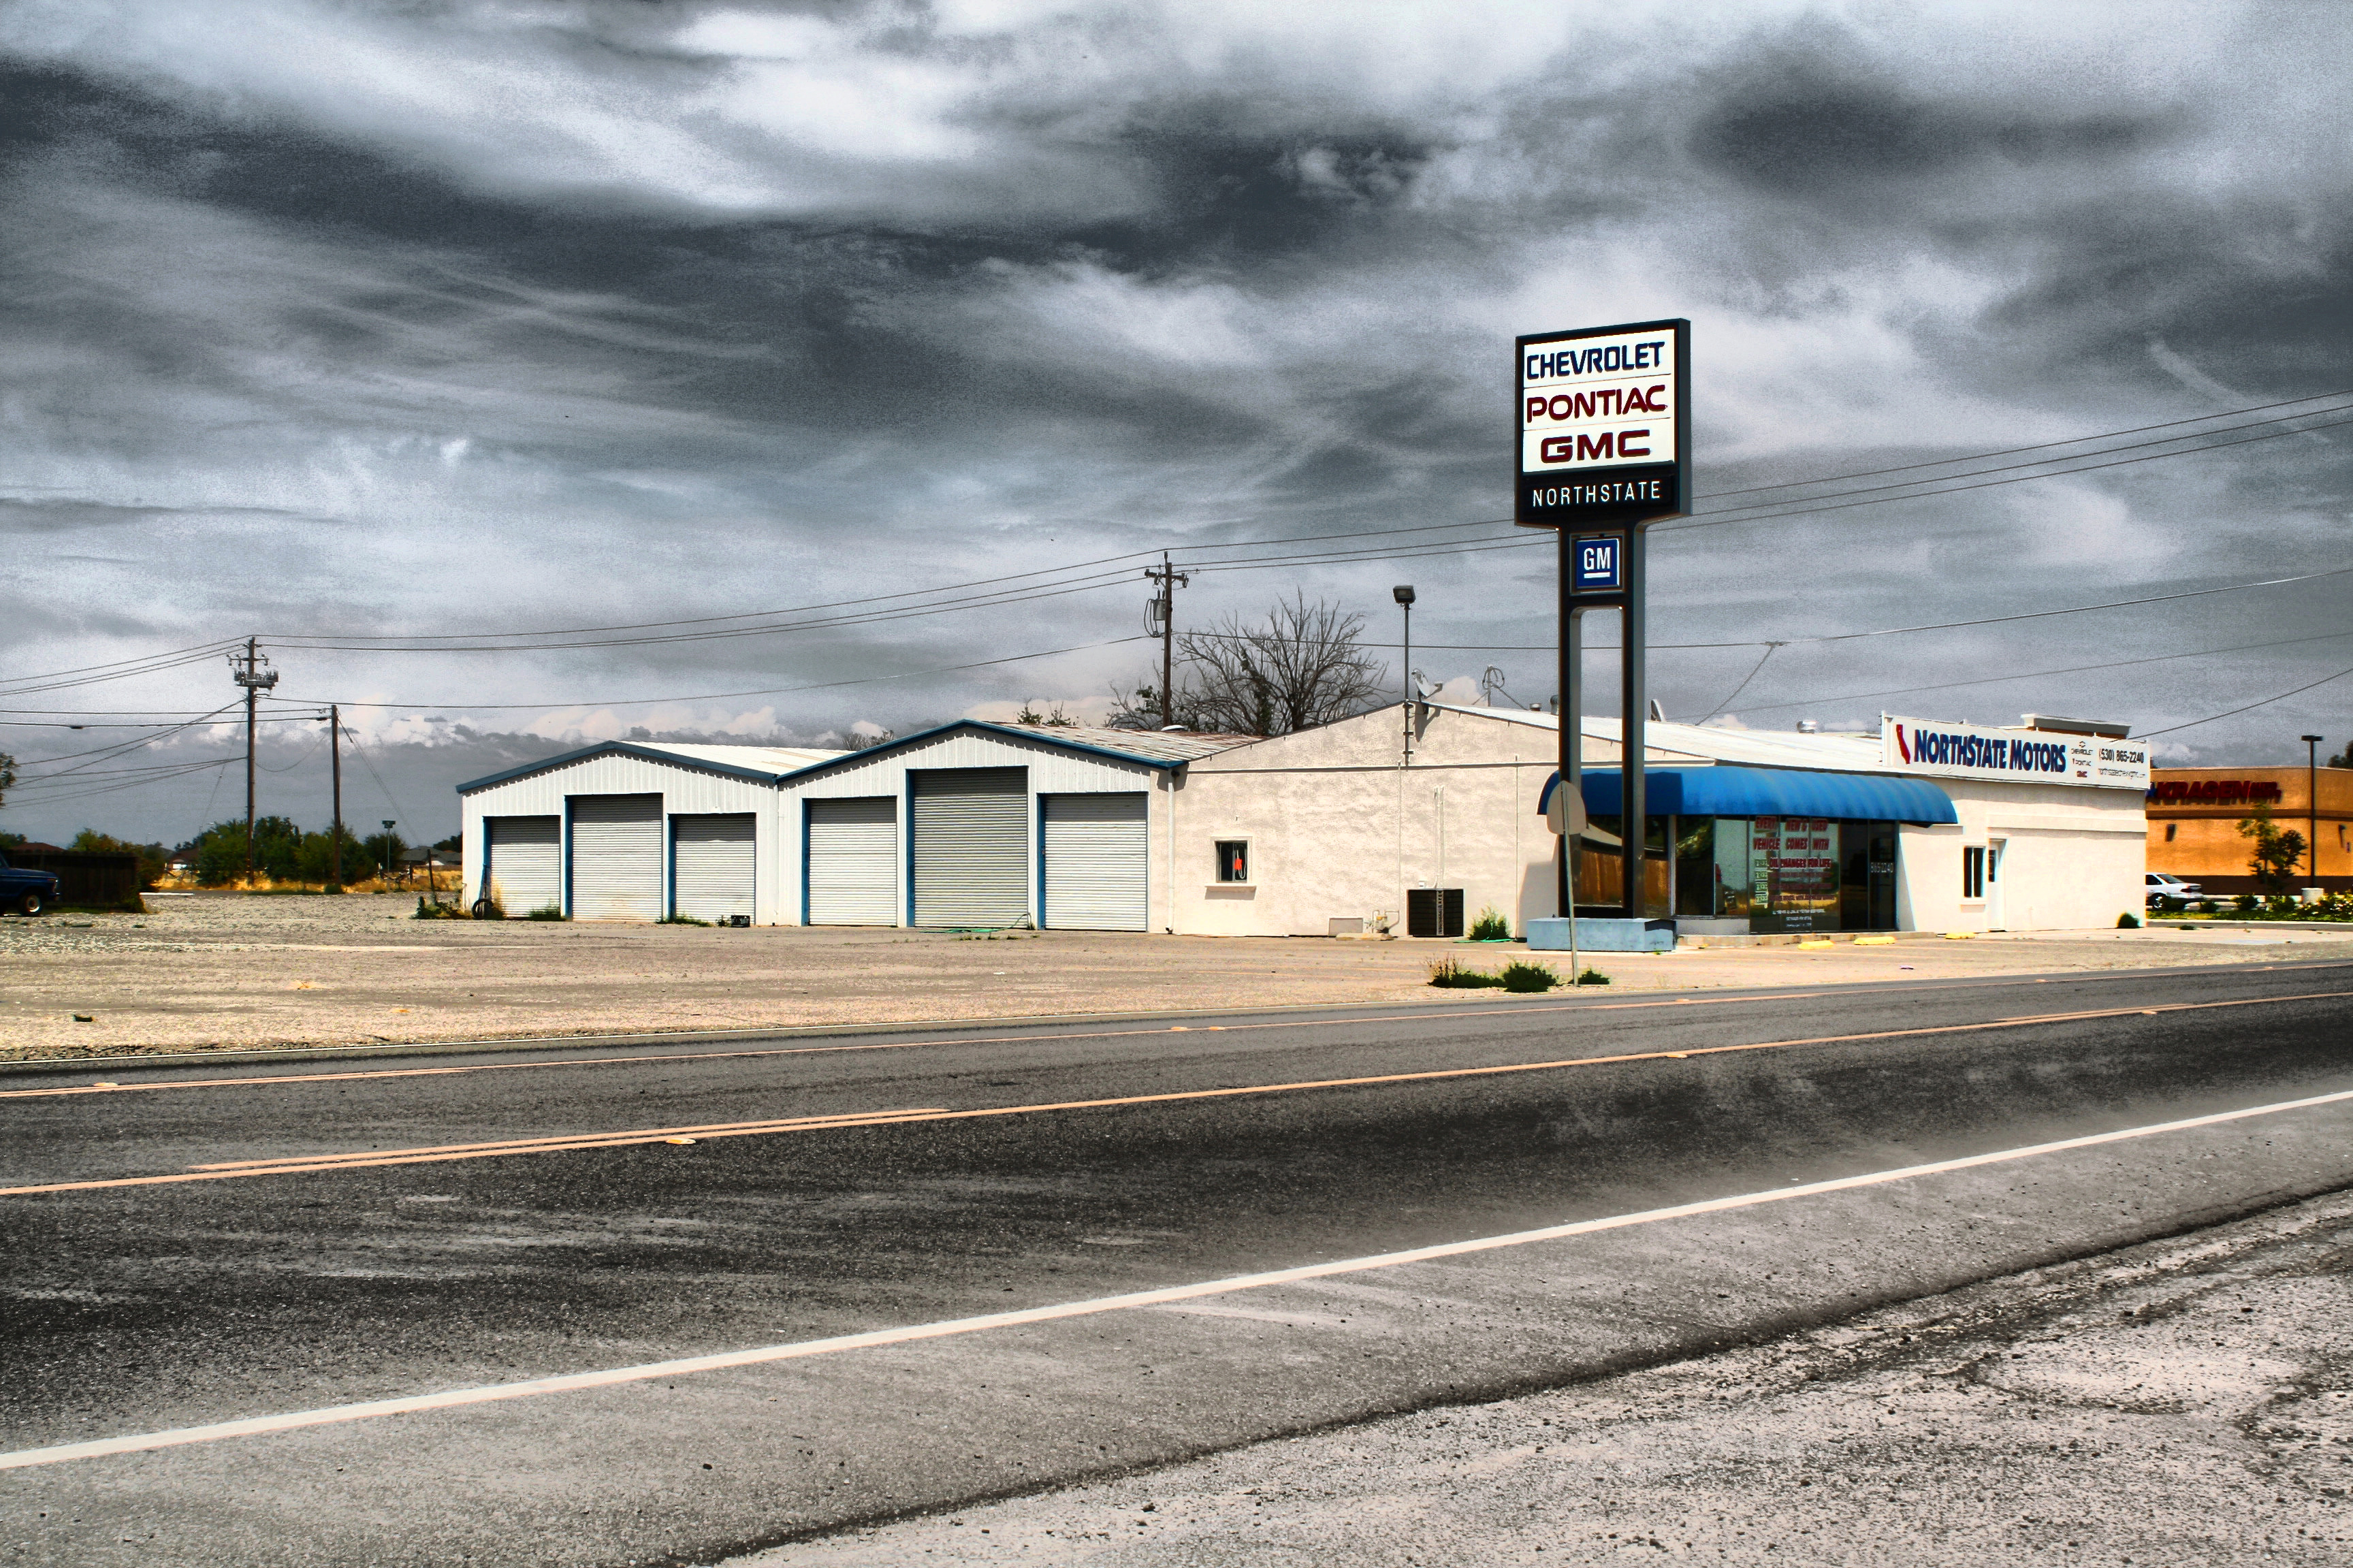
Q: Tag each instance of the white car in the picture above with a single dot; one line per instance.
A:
(2164, 889)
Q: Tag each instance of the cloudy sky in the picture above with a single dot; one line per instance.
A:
(402, 336)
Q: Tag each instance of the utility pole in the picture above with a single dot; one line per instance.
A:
(1160, 621)
(335, 759)
(253, 673)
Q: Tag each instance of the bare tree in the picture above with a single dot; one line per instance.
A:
(1300, 667)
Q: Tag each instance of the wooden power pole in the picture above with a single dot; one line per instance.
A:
(253, 673)
(1160, 619)
(336, 762)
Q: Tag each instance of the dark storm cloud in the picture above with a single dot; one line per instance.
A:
(330, 318)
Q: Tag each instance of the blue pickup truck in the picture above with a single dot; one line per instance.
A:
(25, 892)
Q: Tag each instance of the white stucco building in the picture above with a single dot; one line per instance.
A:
(1764, 831)
(1411, 820)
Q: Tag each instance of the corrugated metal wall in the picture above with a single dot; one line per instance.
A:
(972, 845)
(853, 861)
(711, 865)
(523, 862)
(617, 857)
(1098, 859)
(684, 790)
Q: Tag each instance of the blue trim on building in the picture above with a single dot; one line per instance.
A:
(1768, 792)
(1165, 765)
(625, 749)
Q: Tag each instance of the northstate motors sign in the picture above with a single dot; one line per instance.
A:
(1602, 429)
(2021, 756)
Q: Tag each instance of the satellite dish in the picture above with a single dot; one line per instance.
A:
(1423, 687)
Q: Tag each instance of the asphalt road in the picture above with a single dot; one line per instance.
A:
(401, 1228)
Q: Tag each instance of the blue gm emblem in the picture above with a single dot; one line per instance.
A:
(1597, 563)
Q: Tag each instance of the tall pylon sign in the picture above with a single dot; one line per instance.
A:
(1604, 451)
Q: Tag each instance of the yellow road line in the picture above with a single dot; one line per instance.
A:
(1422, 1015)
(364, 1159)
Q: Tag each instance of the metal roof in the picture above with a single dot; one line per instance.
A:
(760, 764)
(1148, 745)
(1158, 749)
(1707, 744)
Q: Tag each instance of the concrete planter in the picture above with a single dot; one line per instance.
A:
(1602, 935)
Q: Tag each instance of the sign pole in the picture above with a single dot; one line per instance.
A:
(1571, 760)
(1634, 823)
(1604, 444)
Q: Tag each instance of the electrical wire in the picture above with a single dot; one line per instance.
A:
(2041, 674)
(2250, 707)
(2045, 445)
(770, 692)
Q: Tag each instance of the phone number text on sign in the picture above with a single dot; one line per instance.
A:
(1593, 403)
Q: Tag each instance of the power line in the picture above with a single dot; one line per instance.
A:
(1810, 510)
(2041, 674)
(2250, 707)
(769, 691)
(2043, 445)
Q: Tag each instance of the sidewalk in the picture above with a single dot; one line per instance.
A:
(234, 970)
(2188, 1401)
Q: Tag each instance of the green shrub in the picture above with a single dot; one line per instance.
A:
(2128, 922)
(675, 918)
(544, 912)
(1491, 926)
(1521, 975)
(437, 911)
(1593, 977)
(1451, 975)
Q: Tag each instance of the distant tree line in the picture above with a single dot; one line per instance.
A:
(283, 852)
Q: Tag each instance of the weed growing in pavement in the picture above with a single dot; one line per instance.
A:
(437, 911)
(1450, 975)
(544, 912)
(1491, 926)
(1521, 975)
(678, 920)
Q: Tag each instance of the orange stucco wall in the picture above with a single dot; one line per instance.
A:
(2201, 841)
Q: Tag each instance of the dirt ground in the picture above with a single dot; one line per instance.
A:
(2183, 1403)
(231, 970)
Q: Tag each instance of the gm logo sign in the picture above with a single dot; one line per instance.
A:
(1598, 564)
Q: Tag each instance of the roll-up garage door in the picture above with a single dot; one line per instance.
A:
(853, 862)
(522, 863)
(972, 845)
(710, 865)
(617, 857)
(1097, 847)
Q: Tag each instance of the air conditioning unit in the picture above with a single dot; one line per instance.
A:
(1433, 911)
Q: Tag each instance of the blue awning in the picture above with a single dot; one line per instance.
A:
(1766, 792)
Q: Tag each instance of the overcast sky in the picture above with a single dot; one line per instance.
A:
(343, 322)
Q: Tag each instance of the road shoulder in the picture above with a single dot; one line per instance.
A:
(2186, 1401)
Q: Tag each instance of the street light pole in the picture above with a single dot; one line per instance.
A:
(1403, 594)
(2312, 800)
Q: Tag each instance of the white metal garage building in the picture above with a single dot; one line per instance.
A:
(972, 825)
(634, 831)
(988, 825)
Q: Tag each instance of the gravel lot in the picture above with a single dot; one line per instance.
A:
(228, 970)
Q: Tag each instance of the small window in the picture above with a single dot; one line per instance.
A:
(1233, 860)
(2168, 831)
(1973, 872)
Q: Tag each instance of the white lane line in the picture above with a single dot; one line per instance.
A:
(572, 1383)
